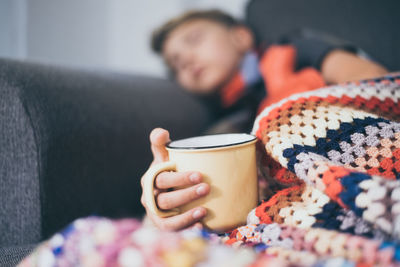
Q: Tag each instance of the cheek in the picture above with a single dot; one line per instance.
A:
(208, 83)
(222, 55)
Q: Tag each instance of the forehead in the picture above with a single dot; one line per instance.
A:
(179, 34)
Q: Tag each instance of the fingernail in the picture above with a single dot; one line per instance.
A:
(197, 214)
(194, 177)
(201, 190)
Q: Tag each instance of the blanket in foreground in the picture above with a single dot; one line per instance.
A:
(330, 166)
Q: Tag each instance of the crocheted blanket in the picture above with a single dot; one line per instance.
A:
(330, 166)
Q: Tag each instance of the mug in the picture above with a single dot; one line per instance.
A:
(227, 163)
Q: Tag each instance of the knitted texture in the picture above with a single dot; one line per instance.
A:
(335, 154)
(100, 242)
(342, 141)
(331, 163)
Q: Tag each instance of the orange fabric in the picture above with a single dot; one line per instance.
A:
(232, 91)
(277, 67)
(262, 210)
(331, 178)
(231, 241)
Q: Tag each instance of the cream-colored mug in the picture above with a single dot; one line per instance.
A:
(227, 163)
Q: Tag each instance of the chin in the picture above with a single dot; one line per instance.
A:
(212, 84)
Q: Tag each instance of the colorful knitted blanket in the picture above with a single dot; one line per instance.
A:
(330, 166)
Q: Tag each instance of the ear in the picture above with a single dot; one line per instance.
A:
(242, 38)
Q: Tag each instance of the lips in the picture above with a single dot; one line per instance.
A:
(197, 72)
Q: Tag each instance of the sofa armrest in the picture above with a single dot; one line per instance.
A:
(20, 214)
(11, 256)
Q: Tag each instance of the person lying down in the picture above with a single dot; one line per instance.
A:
(328, 164)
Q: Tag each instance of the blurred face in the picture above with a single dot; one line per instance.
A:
(204, 54)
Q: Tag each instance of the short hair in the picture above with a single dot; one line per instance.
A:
(160, 34)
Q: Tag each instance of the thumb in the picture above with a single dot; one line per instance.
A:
(159, 138)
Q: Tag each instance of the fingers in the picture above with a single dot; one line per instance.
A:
(174, 199)
(158, 139)
(143, 201)
(180, 221)
(167, 180)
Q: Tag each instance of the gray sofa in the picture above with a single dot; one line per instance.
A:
(74, 143)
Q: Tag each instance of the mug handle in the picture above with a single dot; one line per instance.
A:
(148, 188)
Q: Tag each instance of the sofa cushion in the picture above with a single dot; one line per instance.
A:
(371, 25)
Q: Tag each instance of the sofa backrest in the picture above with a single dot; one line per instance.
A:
(371, 25)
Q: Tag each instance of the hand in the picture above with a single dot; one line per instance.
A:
(194, 189)
(340, 66)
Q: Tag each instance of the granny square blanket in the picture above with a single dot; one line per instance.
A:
(329, 167)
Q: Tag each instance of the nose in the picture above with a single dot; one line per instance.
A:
(188, 60)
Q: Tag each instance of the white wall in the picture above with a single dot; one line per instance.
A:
(111, 34)
(69, 32)
(13, 28)
(131, 26)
